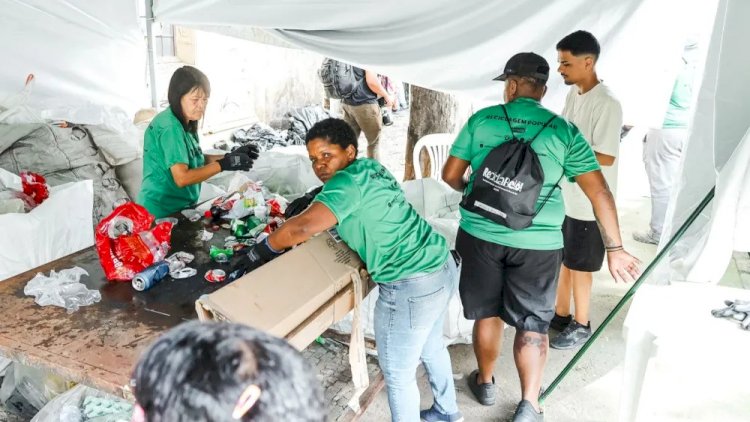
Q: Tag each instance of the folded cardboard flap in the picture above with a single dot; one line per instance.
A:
(332, 311)
(299, 293)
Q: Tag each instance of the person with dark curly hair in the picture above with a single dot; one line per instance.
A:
(218, 371)
(410, 262)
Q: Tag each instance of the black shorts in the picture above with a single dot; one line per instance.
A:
(517, 285)
(583, 245)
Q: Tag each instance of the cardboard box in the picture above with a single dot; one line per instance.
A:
(297, 296)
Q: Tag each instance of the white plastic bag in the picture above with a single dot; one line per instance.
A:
(59, 226)
(15, 109)
(286, 171)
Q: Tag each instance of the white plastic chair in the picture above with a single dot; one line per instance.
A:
(438, 146)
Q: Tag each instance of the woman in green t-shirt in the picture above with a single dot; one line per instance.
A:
(173, 163)
(415, 272)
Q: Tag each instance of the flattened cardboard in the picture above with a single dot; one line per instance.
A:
(288, 291)
(332, 311)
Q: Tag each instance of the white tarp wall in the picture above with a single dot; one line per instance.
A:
(459, 46)
(717, 153)
(82, 52)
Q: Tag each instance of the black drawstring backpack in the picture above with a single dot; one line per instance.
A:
(508, 183)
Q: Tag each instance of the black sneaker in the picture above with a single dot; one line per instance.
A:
(485, 393)
(559, 323)
(434, 415)
(525, 413)
(572, 336)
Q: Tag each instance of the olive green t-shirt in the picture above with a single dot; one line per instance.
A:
(562, 150)
(377, 222)
(165, 144)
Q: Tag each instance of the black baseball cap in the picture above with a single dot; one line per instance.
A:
(526, 64)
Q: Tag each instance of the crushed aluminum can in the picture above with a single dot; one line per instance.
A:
(185, 272)
(148, 278)
(205, 235)
(191, 214)
(215, 276)
(220, 255)
(181, 256)
(238, 246)
(239, 227)
(175, 265)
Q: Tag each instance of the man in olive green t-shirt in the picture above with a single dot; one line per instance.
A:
(510, 275)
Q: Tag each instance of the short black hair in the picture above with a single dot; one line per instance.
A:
(335, 131)
(534, 84)
(580, 43)
(198, 370)
(184, 80)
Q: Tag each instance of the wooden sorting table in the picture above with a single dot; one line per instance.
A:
(98, 345)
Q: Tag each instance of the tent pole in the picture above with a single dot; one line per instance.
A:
(151, 53)
(629, 294)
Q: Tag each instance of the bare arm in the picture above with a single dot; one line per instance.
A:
(604, 160)
(302, 227)
(374, 84)
(623, 266)
(184, 176)
(595, 187)
(454, 171)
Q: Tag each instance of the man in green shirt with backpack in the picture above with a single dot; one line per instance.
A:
(510, 235)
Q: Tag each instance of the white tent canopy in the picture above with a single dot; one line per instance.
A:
(459, 47)
(80, 51)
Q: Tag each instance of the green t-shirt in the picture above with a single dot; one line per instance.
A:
(678, 112)
(561, 149)
(377, 222)
(165, 144)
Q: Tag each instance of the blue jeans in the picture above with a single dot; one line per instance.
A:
(409, 327)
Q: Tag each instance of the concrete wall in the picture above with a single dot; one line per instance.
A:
(249, 81)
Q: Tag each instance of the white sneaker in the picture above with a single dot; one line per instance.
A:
(646, 237)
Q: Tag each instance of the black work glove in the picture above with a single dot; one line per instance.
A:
(300, 204)
(258, 255)
(235, 161)
(251, 150)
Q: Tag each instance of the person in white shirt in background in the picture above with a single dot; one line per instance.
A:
(592, 107)
(662, 148)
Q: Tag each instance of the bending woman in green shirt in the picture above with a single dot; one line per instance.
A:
(173, 163)
(415, 273)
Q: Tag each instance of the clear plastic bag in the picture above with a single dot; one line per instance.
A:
(62, 289)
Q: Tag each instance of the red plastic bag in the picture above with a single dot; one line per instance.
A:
(274, 208)
(35, 186)
(126, 243)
